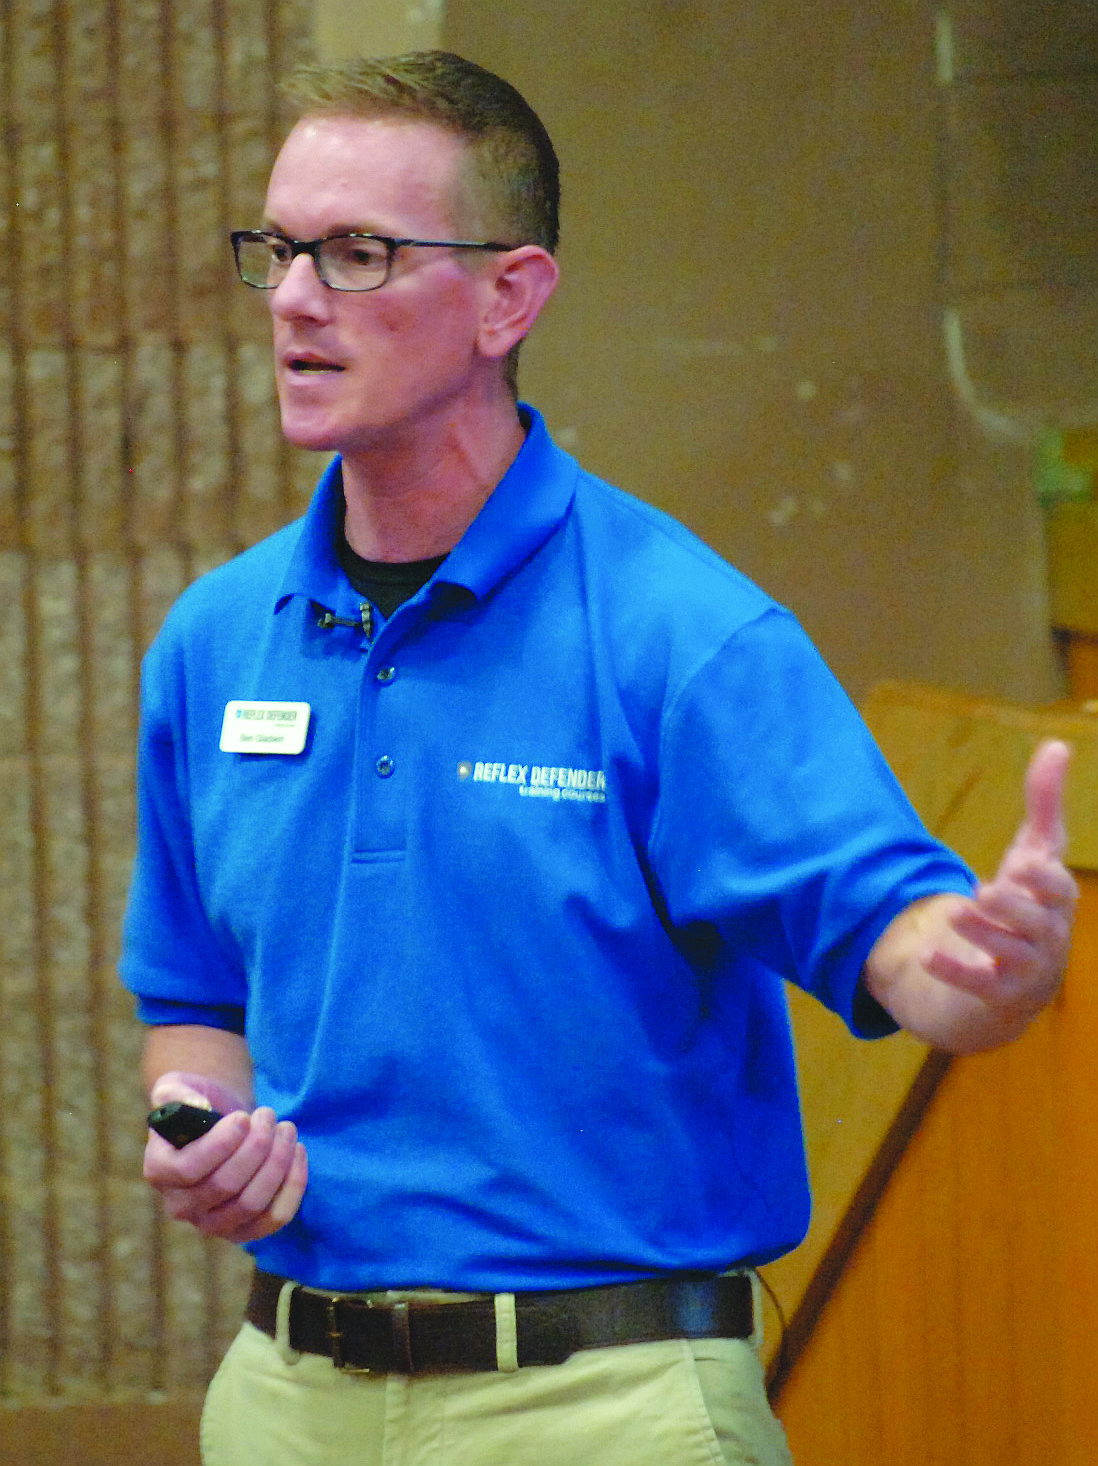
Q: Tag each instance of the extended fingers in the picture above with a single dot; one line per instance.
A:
(1015, 933)
(1016, 938)
(1036, 910)
(1034, 873)
(1034, 905)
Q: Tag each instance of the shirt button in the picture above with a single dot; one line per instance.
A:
(386, 674)
(384, 766)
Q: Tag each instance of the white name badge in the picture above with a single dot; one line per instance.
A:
(264, 727)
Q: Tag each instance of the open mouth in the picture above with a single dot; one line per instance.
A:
(304, 365)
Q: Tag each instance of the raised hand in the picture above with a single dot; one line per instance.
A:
(969, 972)
(1016, 929)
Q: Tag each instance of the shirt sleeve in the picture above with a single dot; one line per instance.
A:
(781, 834)
(172, 960)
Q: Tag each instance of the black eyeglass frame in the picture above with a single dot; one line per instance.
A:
(311, 247)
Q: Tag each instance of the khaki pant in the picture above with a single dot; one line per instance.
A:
(678, 1403)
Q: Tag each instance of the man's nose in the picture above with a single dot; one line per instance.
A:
(301, 290)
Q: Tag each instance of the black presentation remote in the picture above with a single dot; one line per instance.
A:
(181, 1123)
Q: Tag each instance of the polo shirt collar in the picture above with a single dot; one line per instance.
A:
(526, 506)
(314, 570)
(520, 514)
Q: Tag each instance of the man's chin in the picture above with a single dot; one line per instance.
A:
(314, 437)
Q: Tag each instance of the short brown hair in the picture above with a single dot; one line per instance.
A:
(516, 176)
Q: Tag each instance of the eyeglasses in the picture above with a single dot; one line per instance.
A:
(342, 261)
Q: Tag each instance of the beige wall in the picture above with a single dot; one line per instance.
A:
(380, 28)
(749, 330)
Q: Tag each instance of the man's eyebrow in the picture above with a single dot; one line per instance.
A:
(271, 226)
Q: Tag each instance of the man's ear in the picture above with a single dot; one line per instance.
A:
(521, 282)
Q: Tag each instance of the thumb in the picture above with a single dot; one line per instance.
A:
(195, 1089)
(1044, 795)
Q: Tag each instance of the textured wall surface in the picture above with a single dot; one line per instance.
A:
(749, 326)
(138, 445)
(1019, 112)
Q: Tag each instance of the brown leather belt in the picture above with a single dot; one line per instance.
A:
(425, 1337)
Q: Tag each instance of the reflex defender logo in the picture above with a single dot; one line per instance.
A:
(539, 781)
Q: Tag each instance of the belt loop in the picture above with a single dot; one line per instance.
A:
(757, 1322)
(282, 1324)
(506, 1333)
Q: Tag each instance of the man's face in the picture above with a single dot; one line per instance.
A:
(354, 369)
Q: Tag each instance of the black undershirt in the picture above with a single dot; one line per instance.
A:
(386, 584)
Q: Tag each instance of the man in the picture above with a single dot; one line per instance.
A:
(482, 814)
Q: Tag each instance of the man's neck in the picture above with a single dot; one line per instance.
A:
(416, 494)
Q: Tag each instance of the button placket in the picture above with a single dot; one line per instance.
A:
(385, 766)
(382, 815)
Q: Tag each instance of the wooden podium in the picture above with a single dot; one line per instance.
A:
(943, 1308)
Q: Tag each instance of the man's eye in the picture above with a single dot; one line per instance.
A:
(363, 252)
(280, 251)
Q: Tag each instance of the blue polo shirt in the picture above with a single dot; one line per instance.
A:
(507, 936)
